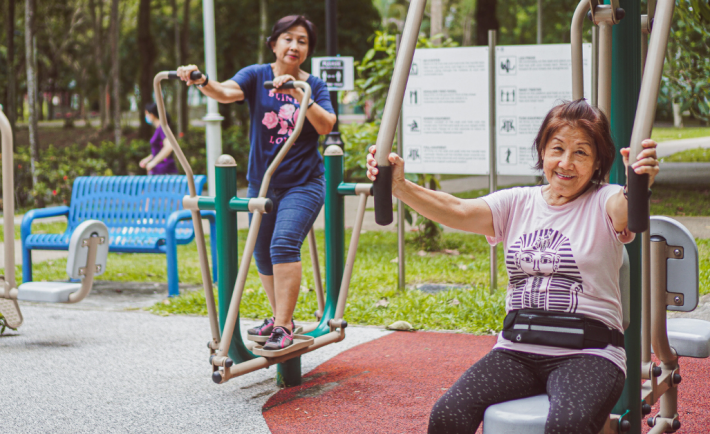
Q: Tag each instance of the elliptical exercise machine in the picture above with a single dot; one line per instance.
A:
(669, 253)
(229, 356)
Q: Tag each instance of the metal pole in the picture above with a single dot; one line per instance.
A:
(626, 84)
(400, 205)
(331, 44)
(539, 21)
(213, 129)
(492, 126)
(595, 65)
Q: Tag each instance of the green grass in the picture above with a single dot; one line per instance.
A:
(680, 200)
(670, 133)
(375, 278)
(697, 155)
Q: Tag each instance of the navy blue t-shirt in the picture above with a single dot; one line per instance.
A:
(273, 116)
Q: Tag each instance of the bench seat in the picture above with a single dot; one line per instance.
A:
(144, 214)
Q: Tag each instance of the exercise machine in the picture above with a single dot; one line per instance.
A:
(88, 251)
(666, 248)
(230, 356)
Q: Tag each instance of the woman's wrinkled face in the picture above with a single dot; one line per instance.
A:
(291, 47)
(570, 161)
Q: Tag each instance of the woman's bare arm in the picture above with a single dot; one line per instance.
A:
(225, 92)
(471, 215)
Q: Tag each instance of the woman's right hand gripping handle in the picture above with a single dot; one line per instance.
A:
(396, 166)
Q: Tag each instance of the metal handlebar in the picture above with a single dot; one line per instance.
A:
(196, 218)
(194, 75)
(393, 106)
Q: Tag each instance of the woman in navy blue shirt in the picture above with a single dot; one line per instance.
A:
(297, 188)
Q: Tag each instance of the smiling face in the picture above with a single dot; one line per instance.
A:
(291, 48)
(569, 162)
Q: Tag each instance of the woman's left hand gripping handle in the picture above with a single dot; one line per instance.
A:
(190, 74)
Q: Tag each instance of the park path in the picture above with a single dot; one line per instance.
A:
(90, 368)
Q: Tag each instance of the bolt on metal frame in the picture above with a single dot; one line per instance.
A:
(229, 355)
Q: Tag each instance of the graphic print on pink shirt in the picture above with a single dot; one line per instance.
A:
(543, 272)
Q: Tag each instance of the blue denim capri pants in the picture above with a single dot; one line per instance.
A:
(283, 230)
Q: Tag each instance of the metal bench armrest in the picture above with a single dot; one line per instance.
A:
(39, 213)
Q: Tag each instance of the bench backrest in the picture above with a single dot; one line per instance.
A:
(129, 201)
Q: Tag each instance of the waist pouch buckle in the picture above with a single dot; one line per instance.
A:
(559, 329)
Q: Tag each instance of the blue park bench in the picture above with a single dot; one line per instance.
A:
(144, 214)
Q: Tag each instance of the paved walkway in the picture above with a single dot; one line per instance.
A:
(88, 368)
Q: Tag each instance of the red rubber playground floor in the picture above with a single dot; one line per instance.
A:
(390, 384)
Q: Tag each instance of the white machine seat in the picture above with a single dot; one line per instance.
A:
(521, 416)
(690, 337)
(48, 292)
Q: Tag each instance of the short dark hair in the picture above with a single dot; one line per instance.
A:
(285, 23)
(579, 114)
(152, 108)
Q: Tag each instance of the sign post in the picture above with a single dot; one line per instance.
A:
(492, 170)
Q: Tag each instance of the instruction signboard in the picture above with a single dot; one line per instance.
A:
(530, 80)
(445, 112)
(337, 72)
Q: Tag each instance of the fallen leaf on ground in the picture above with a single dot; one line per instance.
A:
(453, 252)
(382, 303)
(395, 261)
(402, 326)
(166, 302)
(249, 290)
(305, 289)
(454, 302)
(421, 253)
(463, 267)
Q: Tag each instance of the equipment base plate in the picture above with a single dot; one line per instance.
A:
(299, 341)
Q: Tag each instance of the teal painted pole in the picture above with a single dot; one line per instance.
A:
(289, 373)
(227, 248)
(334, 235)
(625, 87)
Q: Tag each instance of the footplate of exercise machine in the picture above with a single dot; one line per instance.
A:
(299, 342)
(11, 312)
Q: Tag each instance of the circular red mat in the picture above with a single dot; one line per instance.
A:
(389, 385)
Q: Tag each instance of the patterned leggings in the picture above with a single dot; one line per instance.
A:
(582, 389)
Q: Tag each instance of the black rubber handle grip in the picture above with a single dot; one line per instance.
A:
(639, 212)
(270, 85)
(194, 75)
(383, 196)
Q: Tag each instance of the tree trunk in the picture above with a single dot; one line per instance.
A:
(32, 93)
(437, 21)
(184, 120)
(178, 61)
(97, 16)
(263, 28)
(115, 27)
(467, 31)
(486, 19)
(11, 100)
(147, 55)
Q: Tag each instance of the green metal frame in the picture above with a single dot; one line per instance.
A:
(625, 87)
(226, 205)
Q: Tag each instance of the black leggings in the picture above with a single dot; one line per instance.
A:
(582, 389)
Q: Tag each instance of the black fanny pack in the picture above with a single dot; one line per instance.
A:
(559, 329)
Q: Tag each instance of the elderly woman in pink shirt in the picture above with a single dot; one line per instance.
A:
(563, 246)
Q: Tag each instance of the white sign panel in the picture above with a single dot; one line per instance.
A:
(445, 112)
(530, 80)
(337, 72)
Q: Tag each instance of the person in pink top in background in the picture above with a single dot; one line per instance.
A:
(564, 247)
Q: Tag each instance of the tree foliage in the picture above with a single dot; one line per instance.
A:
(686, 78)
